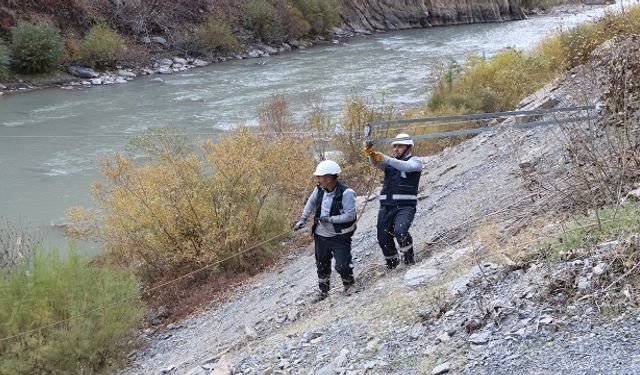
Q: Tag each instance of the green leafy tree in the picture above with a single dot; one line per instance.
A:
(36, 48)
(102, 46)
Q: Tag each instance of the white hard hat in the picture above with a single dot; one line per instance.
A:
(327, 167)
(406, 141)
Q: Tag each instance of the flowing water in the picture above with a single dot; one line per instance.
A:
(50, 139)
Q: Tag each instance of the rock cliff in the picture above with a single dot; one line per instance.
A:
(381, 15)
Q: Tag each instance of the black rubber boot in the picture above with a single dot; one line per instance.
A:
(392, 263)
(408, 258)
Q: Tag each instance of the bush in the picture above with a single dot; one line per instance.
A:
(293, 22)
(49, 289)
(36, 48)
(579, 42)
(321, 14)
(488, 85)
(275, 116)
(172, 214)
(262, 18)
(102, 46)
(4, 62)
(216, 35)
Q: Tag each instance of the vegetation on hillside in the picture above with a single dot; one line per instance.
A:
(97, 32)
(45, 289)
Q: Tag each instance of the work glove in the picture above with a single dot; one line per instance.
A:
(377, 156)
(368, 148)
(298, 224)
(325, 219)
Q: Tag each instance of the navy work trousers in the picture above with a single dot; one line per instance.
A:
(338, 247)
(395, 221)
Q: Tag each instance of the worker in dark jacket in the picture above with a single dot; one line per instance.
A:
(333, 205)
(398, 198)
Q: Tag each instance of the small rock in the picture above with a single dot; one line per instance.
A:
(416, 331)
(254, 53)
(372, 346)
(165, 70)
(607, 246)
(599, 268)
(267, 371)
(341, 359)
(120, 80)
(293, 314)
(283, 364)
(126, 74)
(328, 369)
(417, 276)
(96, 81)
(584, 283)
(168, 369)
(635, 194)
(222, 367)
(164, 62)
(144, 40)
(546, 320)
(159, 80)
(441, 368)
(250, 332)
(480, 338)
(443, 337)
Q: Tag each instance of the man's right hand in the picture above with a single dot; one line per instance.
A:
(368, 148)
(377, 156)
(299, 224)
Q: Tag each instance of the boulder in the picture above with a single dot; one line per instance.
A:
(82, 72)
(200, 63)
(164, 62)
(180, 60)
(126, 74)
(158, 40)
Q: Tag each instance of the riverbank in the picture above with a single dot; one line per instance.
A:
(165, 64)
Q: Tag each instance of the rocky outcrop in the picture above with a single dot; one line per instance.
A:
(381, 15)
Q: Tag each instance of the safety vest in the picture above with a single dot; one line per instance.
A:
(400, 188)
(336, 208)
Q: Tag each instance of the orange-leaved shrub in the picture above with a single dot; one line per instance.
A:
(189, 204)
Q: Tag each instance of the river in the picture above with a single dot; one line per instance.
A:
(50, 139)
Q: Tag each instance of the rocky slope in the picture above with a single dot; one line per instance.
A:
(465, 307)
(379, 15)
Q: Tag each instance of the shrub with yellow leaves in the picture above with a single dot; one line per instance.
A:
(188, 205)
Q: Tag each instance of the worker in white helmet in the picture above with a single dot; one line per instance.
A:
(333, 205)
(398, 198)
